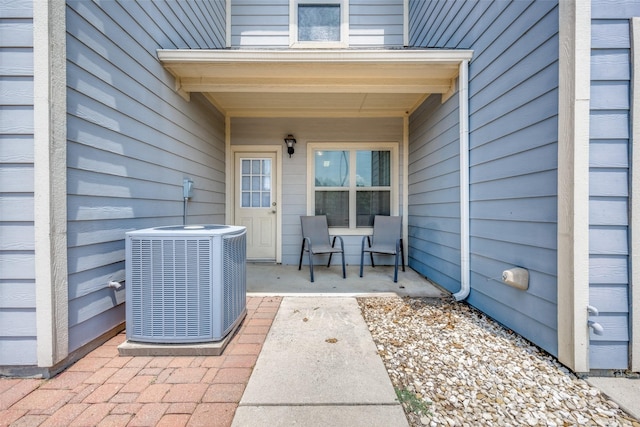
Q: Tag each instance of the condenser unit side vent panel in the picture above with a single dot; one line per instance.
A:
(171, 298)
(234, 276)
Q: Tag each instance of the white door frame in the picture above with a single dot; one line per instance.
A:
(231, 181)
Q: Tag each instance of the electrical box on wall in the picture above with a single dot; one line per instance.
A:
(187, 188)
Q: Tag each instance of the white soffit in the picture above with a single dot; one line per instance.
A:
(321, 83)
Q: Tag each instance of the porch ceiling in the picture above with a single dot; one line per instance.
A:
(314, 83)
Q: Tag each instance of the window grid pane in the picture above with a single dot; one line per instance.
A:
(371, 203)
(335, 205)
(331, 168)
(373, 168)
(256, 183)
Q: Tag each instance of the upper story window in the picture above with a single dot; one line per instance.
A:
(319, 23)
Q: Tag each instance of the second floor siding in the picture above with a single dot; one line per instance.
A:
(267, 24)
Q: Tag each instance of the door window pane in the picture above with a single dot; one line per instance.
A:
(255, 183)
(335, 205)
(255, 167)
(332, 168)
(319, 22)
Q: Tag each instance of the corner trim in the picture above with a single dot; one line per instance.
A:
(50, 189)
(635, 196)
(573, 183)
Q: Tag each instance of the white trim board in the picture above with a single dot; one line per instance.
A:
(50, 171)
(634, 286)
(573, 184)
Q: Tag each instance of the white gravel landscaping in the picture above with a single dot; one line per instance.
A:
(453, 366)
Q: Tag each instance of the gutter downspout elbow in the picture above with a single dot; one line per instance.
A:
(463, 99)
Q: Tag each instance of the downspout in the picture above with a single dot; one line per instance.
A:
(463, 99)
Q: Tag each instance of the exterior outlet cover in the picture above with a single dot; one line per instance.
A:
(517, 277)
(187, 189)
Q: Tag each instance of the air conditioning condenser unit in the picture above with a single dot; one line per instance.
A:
(185, 284)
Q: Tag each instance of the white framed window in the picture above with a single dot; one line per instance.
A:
(319, 23)
(350, 183)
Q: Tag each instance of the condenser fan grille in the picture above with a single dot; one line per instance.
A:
(171, 293)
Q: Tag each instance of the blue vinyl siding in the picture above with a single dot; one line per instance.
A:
(609, 168)
(260, 23)
(513, 92)
(434, 196)
(131, 141)
(17, 240)
(375, 23)
(265, 23)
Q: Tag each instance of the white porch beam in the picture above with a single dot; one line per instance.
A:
(451, 56)
(196, 84)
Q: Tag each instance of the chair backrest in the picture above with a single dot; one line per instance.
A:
(387, 229)
(315, 228)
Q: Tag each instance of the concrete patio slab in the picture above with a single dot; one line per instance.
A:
(287, 280)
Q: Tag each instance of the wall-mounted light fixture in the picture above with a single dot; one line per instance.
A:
(290, 140)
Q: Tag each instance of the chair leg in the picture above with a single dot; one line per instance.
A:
(395, 271)
(331, 253)
(344, 270)
(311, 265)
(402, 254)
(301, 255)
(361, 257)
(370, 253)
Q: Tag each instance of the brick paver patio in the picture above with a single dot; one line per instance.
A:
(104, 389)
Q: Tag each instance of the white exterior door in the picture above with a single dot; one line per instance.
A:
(255, 202)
